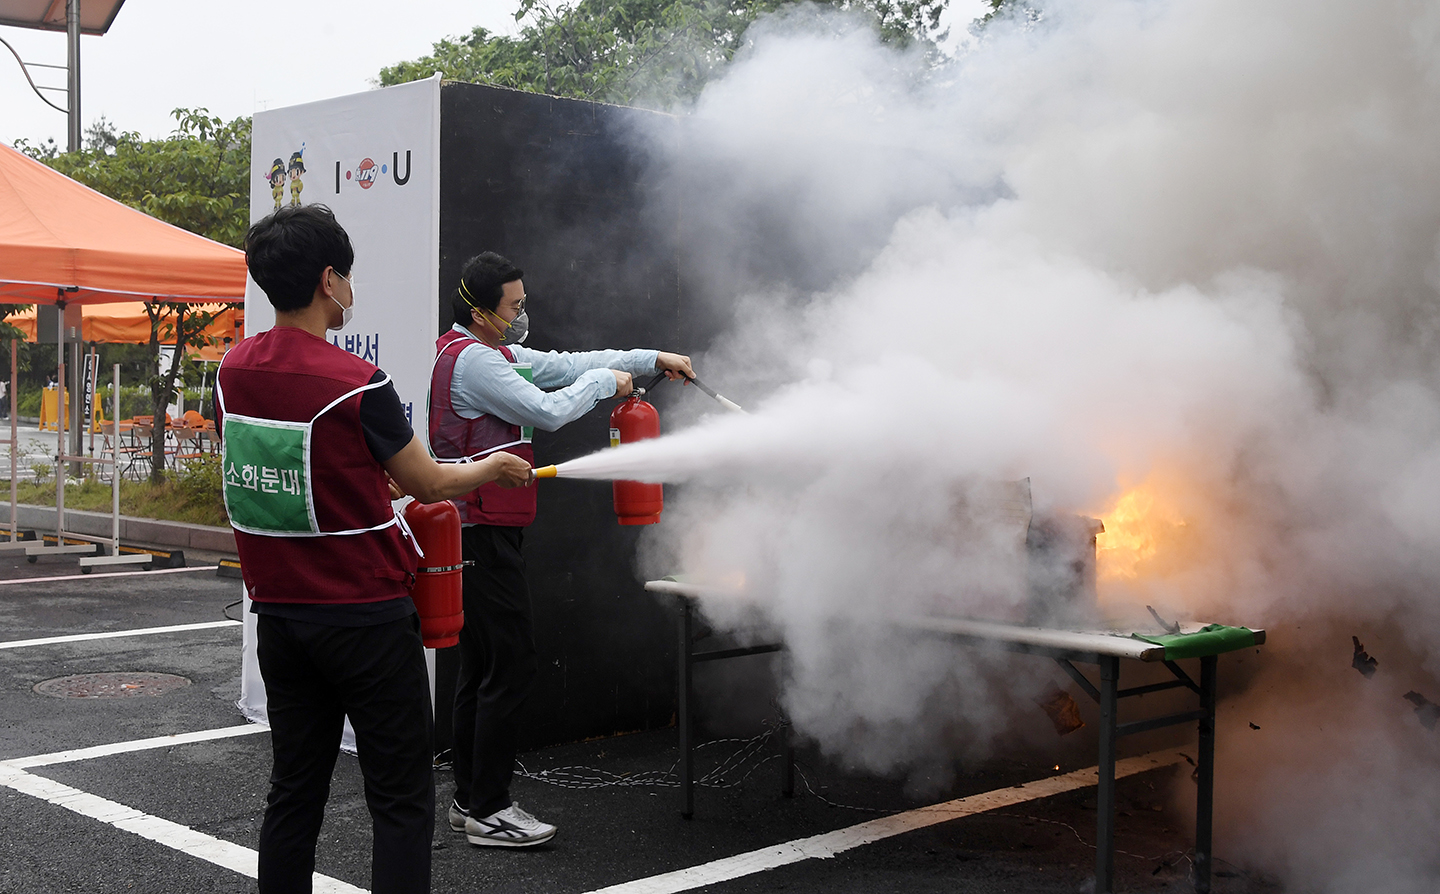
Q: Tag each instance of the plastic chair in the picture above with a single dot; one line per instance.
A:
(192, 419)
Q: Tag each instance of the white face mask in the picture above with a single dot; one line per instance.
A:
(346, 313)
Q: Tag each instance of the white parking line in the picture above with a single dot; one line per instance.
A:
(245, 861)
(114, 634)
(841, 840)
(45, 580)
(182, 838)
(242, 860)
(85, 754)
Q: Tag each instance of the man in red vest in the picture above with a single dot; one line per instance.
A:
(310, 435)
(485, 396)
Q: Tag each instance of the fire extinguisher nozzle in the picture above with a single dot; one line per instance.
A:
(547, 472)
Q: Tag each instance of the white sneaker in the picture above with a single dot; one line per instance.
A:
(457, 816)
(511, 827)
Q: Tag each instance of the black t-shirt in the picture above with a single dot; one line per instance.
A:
(387, 432)
(382, 416)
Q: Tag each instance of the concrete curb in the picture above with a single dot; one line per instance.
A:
(133, 530)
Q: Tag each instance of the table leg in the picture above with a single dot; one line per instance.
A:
(787, 768)
(684, 662)
(1105, 796)
(1205, 790)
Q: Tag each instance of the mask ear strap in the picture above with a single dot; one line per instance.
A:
(497, 329)
(469, 299)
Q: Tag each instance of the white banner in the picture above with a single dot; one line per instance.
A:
(374, 159)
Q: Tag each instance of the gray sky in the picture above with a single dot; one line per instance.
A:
(165, 54)
(232, 58)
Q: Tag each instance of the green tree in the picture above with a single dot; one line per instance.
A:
(7, 330)
(187, 325)
(10, 335)
(650, 52)
(1017, 9)
(198, 178)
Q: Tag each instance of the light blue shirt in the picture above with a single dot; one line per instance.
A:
(484, 383)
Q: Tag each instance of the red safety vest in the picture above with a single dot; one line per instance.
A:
(456, 439)
(287, 374)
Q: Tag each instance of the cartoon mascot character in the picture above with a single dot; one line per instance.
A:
(297, 167)
(277, 181)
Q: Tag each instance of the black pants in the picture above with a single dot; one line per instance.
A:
(314, 676)
(497, 667)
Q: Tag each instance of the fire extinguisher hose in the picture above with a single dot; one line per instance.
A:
(725, 402)
(650, 385)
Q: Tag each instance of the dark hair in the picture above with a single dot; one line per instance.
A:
(288, 250)
(483, 278)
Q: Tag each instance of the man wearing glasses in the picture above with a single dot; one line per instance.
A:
(487, 394)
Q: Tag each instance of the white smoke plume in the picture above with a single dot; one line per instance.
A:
(1177, 262)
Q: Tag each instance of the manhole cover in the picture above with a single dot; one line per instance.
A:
(112, 685)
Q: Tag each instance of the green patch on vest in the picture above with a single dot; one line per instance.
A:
(527, 432)
(266, 489)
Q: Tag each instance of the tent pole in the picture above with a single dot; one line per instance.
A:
(14, 441)
(115, 469)
(14, 543)
(40, 549)
(61, 416)
(143, 559)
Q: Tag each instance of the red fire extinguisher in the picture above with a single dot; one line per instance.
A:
(636, 502)
(437, 592)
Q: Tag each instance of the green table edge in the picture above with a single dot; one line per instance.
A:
(1212, 639)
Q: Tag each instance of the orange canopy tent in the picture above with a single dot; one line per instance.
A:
(61, 241)
(127, 323)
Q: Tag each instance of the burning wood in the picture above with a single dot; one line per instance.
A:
(1062, 711)
(1426, 710)
(1362, 661)
(1167, 627)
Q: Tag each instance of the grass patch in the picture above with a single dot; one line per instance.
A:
(191, 496)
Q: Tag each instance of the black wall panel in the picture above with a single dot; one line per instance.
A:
(561, 188)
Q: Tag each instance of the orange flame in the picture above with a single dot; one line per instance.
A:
(1144, 535)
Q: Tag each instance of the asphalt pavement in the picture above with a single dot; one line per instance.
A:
(104, 807)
